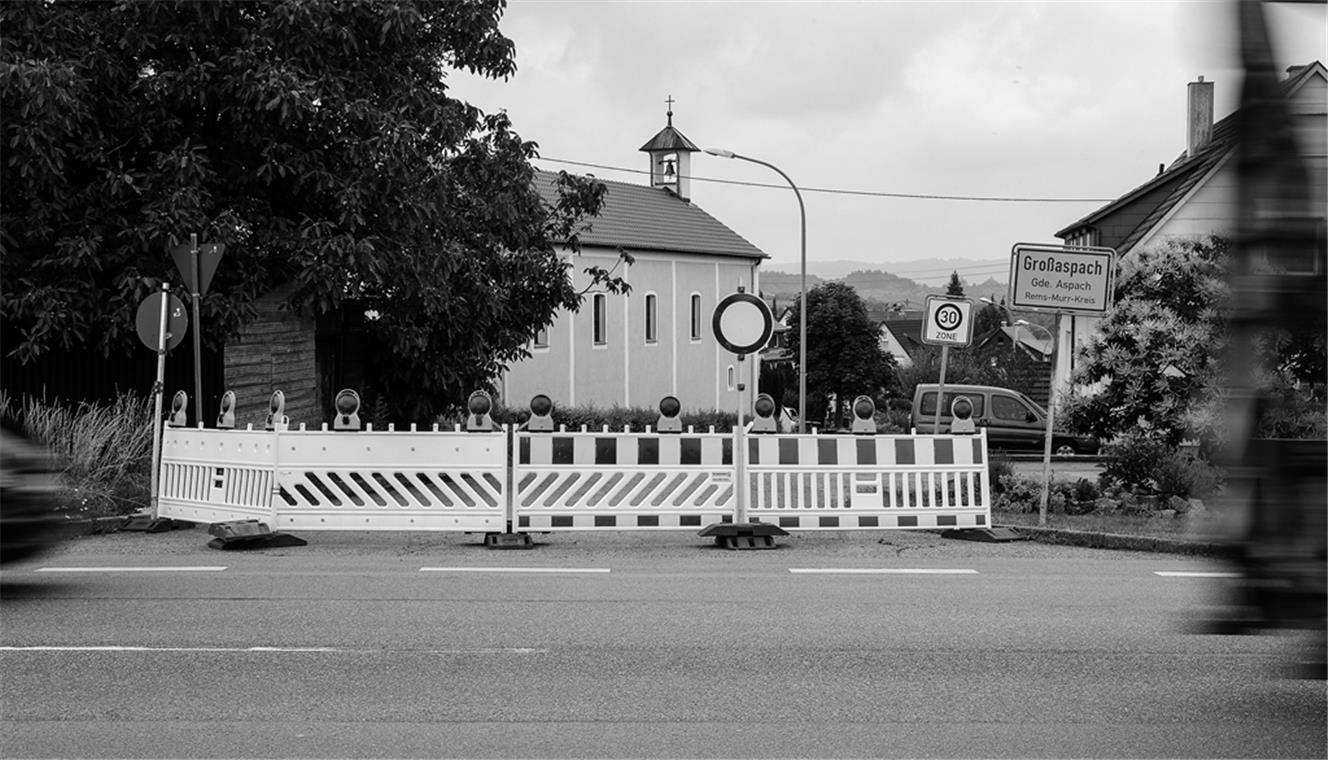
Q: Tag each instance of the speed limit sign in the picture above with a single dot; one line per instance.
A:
(948, 321)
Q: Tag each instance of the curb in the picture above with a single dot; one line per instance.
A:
(1121, 542)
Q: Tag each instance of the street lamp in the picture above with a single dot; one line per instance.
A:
(802, 285)
(1025, 323)
(1009, 318)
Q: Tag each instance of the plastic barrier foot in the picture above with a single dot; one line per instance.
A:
(994, 535)
(249, 534)
(508, 541)
(750, 535)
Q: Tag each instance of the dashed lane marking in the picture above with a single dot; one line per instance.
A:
(514, 570)
(881, 571)
(143, 569)
(268, 650)
(1194, 574)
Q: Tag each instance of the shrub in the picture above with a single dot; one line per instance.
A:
(103, 452)
(1187, 476)
(998, 467)
(1129, 461)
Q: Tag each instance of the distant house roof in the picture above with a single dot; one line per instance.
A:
(640, 218)
(1032, 343)
(1152, 201)
(907, 333)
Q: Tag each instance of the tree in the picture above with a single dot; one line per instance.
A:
(316, 140)
(989, 317)
(955, 287)
(1155, 358)
(844, 355)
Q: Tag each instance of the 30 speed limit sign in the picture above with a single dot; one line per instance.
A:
(948, 321)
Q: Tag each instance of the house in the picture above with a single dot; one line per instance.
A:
(656, 341)
(1196, 194)
(902, 339)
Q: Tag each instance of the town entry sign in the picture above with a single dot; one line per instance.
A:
(1064, 279)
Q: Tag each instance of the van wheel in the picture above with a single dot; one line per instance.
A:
(1063, 448)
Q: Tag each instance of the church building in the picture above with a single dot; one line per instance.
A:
(633, 349)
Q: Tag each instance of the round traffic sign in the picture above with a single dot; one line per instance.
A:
(742, 323)
(148, 321)
(949, 317)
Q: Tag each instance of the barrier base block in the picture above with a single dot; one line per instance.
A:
(508, 541)
(249, 534)
(749, 535)
(994, 535)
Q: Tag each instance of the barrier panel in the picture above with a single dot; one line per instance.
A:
(212, 476)
(389, 480)
(622, 481)
(324, 480)
(840, 482)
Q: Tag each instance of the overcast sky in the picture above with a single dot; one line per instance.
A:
(1059, 100)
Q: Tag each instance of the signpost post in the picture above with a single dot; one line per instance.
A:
(1061, 280)
(161, 324)
(947, 323)
(197, 264)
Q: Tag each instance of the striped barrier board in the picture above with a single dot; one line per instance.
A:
(212, 476)
(431, 481)
(841, 482)
(622, 481)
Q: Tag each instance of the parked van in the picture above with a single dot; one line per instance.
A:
(1011, 419)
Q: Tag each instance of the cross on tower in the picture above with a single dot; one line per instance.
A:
(669, 102)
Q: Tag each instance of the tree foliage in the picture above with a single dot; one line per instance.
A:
(844, 354)
(955, 287)
(315, 139)
(1154, 362)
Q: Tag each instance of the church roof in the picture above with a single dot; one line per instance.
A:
(640, 218)
(669, 138)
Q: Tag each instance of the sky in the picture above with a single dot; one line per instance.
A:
(1069, 104)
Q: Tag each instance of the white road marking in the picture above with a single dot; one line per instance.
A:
(146, 569)
(1188, 574)
(514, 570)
(880, 571)
(266, 650)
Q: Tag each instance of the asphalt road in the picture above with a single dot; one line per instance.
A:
(632, 645)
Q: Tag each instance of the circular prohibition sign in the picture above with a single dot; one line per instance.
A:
(742, 323)
(949, 317)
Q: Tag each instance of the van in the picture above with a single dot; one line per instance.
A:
(1011, 419)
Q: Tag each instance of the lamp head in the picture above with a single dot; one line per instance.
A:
(721, 152)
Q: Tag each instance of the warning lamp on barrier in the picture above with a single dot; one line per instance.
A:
(669, 408)
(276, 411)
(961, 412)
(764, 407)
(347, 408)
(179, 410)
(226, 415)
(478, 407)
(864, 416)
(541, 406)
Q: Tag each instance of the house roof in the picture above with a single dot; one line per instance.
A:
(669, 138)
(907, 332)
(1175, 182)
(640, 218)
(1028, 339)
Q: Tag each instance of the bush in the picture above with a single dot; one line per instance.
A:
(1187, 476)
(103, 452)
(998, 467)
(1129, 461)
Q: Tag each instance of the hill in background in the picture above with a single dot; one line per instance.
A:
(882, 288)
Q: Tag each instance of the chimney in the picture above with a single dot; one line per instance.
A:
(1200, 126)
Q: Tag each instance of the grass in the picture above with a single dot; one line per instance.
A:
(101, 452)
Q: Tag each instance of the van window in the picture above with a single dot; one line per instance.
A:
(928, 406)
(1009, 408)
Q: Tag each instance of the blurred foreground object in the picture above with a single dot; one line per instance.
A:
(1279, 282)
(29, 521)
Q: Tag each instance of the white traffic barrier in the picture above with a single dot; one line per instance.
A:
(391, 480)
(326, 480)
(212, 476)
(845, 482)
(622, 481)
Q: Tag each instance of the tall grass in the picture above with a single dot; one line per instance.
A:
(102, 452)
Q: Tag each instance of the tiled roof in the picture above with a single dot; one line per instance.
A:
(640, 218)
(1182, 175)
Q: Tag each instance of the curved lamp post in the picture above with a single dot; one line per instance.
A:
(802, 286)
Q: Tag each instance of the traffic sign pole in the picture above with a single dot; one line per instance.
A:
(198, 332)
(940, 390)
(157, 389)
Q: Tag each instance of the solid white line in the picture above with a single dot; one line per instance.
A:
(264, 650)
(153, 569)
(880, 571)
(514, 570)
(1185, 574)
